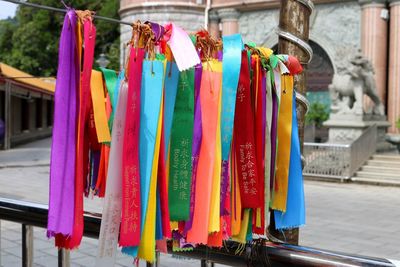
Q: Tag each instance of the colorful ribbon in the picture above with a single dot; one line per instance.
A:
(63, 149)
(180, 167)
(111, 215)
(231, 62)
(295, 207)
(132, 171)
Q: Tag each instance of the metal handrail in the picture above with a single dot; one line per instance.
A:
(260, 253)
(341, 161)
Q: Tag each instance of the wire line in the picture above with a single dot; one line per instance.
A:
(18, 2)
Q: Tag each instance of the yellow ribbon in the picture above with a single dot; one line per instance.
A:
(214, 222)
(148, 243)
(236, 203)
(241, 237)
(99, 107)
(284, 140)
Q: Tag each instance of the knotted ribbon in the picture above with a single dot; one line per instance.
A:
(180, 167)
(284, 139)
(63, 150)
(131, 189)
(295, 207)
(209, 99)
(111, 215)
(231, 62)
(245, 149)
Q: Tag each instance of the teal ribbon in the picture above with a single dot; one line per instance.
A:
(231, 62)
(110, 76)
(152, 82)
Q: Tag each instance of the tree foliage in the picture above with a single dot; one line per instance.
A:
(317, 114)
(29, 41)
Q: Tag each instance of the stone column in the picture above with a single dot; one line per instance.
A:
(213, 24)
(374, 30)
(229, 18)
(394, 66)
(188, 14)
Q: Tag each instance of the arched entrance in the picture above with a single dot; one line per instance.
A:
(319, 75)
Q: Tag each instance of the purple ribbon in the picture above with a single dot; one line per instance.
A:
(224, 187)
(197, 135)
(95, 168)
(273, 134)
(63, 149)
(157, 29)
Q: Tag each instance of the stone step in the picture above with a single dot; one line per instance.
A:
(374, 181)
(378, 175)
(383, 163)
(380, 169)
(387, 157)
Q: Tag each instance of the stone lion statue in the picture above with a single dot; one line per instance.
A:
(349, 86)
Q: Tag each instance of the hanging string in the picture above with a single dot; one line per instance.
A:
(18, 2)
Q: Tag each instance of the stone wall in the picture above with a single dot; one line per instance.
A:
(335, 27)
(188, 19)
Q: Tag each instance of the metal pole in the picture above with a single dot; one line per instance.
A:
(293, 37)
(63, 258)
(0, 244)
(27, 245)
(7, 115)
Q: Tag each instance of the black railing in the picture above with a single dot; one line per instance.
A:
(259, 253)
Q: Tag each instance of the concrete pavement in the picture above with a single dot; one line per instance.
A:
(351, 218)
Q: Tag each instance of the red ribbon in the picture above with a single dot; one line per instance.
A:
(245, 149)
(89, 37)
(131, 217)
(260, 137)
(163, 187)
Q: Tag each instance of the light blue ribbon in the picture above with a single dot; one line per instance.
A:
(295, 207)
(121, 76)
(151, 89)
(231, 62)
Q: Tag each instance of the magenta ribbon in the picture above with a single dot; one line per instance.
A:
(63, 149)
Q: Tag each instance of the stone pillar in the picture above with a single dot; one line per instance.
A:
(394, 66)
(213, 24)
(188, 15)
(374, 30)
(229, 18)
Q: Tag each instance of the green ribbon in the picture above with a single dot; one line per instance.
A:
(180, 167)
(110, 76)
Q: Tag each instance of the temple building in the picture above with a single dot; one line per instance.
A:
(338, 29)
(26, 107)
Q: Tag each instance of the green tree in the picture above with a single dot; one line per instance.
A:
(317, 114)
(30, 40)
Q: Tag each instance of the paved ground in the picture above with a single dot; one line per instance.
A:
(350, 218)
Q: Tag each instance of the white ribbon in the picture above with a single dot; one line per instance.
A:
(268, 144)
(111, 217)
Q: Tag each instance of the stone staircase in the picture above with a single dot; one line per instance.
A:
(381, 169)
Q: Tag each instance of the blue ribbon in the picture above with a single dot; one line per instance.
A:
(295, 207)
(151, 89)
(231, 62)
